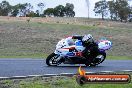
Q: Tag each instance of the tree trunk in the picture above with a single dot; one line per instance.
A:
(121, 19)
(111, 17)
(102, 16)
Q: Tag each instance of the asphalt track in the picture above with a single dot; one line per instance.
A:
(23, 67)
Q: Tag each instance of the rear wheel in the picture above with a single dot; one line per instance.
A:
(51, 60)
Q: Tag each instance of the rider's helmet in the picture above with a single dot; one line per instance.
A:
(87, 39)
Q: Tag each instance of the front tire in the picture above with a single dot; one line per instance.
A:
(51, 59)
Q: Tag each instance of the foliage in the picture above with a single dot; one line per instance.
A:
(111, 6)
(37, 13)
(5, 8)
(122, 8)
(116, 9)
(21, 9)
(17, 10)
(49, 12)
(41, 6)
(54, 82)
(31, 14)
(119, 9)
(25, 10)
(69, 10)
(101, 8)
(61, 11)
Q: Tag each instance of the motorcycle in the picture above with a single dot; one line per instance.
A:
(73, 54)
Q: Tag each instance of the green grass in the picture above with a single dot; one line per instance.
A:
(19, 39)
(60, 26)
(37, 56)
(43, 56)
(65, 82)
(36, 84)
(119, 58)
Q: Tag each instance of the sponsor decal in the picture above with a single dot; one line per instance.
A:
(84, 78)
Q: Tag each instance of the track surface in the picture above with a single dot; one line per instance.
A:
(24, 67)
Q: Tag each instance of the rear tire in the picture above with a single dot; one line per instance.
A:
(50, 59)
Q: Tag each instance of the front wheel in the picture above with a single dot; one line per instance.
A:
(51, 60)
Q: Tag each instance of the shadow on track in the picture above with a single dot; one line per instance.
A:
(68, 66)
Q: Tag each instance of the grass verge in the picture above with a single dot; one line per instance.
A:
(119, 57)
(43, 56)
(34, 56)
(56, 82)
(30, 40)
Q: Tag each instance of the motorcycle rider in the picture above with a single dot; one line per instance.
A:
(86, 39)
(91, 48)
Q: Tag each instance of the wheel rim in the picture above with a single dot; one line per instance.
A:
(53, 60)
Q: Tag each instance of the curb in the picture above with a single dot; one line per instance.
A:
(61, 74)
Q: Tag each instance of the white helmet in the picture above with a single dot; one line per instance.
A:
(87, 38)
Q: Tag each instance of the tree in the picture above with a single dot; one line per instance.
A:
(123, 10)
(111, 6)
(41, 6)
(28, 8)
(49, 12)
(25, 9)
(119, 9)
(31, 14)
(5, 8)
(69, 10)
(101, 8)
(21, 9)
(14, 12)
(37, 13)
(59, 11)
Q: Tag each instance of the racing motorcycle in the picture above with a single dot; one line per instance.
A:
(73, 54)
